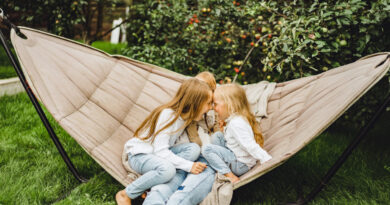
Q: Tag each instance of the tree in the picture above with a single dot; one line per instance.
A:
(68, 18)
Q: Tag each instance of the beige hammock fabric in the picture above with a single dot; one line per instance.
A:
(100, 99)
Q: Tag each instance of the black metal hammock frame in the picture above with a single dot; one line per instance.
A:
(301, 199)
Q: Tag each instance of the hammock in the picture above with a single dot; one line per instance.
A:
(100, 99)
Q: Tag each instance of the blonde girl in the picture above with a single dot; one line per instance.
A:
(195, 187)
(235, 151)
(152, 151)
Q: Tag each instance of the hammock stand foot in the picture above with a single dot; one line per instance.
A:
(68, 162)
(343, 157)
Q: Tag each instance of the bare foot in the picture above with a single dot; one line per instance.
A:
(122, 198)
(233, 178)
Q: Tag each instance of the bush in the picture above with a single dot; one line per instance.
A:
(296, 39)
(291, 39)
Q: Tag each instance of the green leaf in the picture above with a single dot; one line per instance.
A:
(345, 21)
(315, 53)
(348, 12)
(325, 50)
(368, 37)
(335, 44)
(294, 32)
(362, 29)
(320, 44)
(285, 48)
(30, 18)
(217, 12)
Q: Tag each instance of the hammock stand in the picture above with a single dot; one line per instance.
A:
(33, 99)
(301, 200)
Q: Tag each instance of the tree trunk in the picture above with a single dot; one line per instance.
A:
(99, 23)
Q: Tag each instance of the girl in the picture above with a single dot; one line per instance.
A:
(151, 152)
(195, 186)
(234, 152)
(199, 131)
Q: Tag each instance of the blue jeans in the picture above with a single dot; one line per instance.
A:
(194, 188)
(156, 170)
(221, 158)
(160, 193)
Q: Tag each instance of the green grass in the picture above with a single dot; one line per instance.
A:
(109, 47)
(32, 171)
(7, 71)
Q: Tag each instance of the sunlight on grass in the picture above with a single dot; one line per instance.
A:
(109, 47)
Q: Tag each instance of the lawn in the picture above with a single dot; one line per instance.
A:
(32, 171)
(7, 72)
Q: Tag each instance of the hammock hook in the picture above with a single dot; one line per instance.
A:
(4, 20)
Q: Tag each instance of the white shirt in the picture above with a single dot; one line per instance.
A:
(162, 142)
(240, 140)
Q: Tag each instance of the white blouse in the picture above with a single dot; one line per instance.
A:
(162, 142)
(240, 140)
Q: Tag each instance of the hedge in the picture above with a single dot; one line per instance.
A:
(290, 39)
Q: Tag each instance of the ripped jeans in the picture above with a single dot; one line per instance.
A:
(156, 171)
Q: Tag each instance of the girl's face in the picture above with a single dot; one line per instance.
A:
(221, 108)
(206, 106)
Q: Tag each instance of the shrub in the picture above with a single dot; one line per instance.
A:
(291, 39)
(297, 38)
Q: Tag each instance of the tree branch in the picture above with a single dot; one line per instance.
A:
(109, 31)
(247, 57)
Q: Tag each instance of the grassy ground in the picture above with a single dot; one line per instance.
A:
(7, 71)
(32, 171)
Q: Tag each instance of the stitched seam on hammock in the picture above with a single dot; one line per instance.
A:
(89, 97)
(120, 122)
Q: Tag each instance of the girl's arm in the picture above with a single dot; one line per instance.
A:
(242, 131)
(162, 142)
(161, 149)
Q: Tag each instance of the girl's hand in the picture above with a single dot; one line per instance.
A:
(221, 125)
(198, 167)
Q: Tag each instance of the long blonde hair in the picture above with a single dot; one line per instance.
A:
(235, 98)
(187, 103)
(207, 77)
